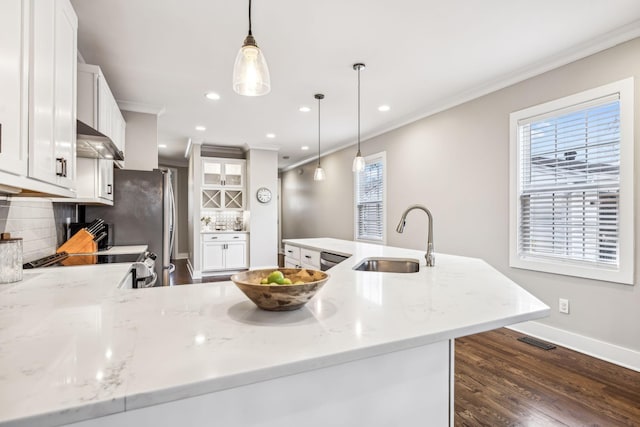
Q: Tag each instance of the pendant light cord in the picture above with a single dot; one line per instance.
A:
(358, 111)
(250, 18)
(319, 132)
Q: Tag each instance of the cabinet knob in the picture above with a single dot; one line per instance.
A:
(109, 189)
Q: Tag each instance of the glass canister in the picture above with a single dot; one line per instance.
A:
(10, 259)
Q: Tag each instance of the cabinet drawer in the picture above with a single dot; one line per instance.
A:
(290, 263)
(292, 252)
(309, 257)
(224, 237)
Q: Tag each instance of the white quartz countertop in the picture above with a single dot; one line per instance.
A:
(130, 249)
(73, 346)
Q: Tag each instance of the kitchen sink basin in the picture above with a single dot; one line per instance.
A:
(388, 265)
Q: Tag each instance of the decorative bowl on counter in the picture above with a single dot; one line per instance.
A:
(280, 297)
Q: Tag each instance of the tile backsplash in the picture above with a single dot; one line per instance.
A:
(39, 222)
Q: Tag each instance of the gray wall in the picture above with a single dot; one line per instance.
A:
(141, 141)
(457, 164)
(182, 205)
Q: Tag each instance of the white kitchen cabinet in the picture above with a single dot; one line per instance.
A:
(223, 172)
(14, 15)
(52, 109)
(213, 256)
(95, 182)
(224, 251)
(297, 257)
(97, 106)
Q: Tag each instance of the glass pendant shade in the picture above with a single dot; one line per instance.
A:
(358, 163)
(319, 175)
(250, 72)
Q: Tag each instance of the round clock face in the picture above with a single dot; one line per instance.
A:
(263, 195)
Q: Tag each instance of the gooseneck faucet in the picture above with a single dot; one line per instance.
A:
(430, 256)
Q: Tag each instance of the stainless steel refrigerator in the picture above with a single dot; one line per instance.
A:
(143, 212)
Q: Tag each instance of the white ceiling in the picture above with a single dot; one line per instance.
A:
(421, 56)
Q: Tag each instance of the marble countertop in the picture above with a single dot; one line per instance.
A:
(73, 346)
(223, 232)
(130, 249)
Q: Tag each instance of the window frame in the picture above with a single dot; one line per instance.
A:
(382, 157)
(624, 272)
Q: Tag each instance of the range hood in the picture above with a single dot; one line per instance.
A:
(93, 144)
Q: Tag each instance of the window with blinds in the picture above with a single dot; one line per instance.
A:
(369, 199)
(568, 184)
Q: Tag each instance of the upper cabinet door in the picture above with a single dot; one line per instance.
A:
(211, 173)
(13, 86)
(52, 139)
(64, 132)
(234, 173)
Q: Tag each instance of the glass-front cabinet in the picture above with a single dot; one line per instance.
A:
(222, 183)
(223, 172)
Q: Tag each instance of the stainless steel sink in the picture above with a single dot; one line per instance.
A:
(388, 265)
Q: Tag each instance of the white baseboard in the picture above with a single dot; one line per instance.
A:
(182, 255)
(599, 349)
(195, 274)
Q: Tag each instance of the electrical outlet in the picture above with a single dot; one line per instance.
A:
(563, 305)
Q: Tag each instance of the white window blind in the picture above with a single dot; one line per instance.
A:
(572, 179)
(369, 200)
(570, 183)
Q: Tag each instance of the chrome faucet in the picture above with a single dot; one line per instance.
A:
(430, 256)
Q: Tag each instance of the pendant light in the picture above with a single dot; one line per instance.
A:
(358, 161)
(250, 72)
(318, 175)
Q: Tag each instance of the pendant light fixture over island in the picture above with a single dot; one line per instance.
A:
(358, 161)
(250, 72)
(318, 175)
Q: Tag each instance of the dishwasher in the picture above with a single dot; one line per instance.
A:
(328, 260)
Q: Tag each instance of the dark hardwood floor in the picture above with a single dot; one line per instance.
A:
(501, 381)
(181, 276)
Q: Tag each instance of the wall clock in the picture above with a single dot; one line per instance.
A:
(263, 195)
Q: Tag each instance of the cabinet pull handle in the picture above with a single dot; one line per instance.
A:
(290, 251)
(308, 256)
(63, 166)
(109, 189)
(236, 237)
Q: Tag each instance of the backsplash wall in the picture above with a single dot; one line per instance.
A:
(39, 222)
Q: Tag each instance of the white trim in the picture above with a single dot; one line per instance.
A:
(591, 47)
(139, 107)
(625, 273)
(182, 255)
(382, 155)
(608, 352)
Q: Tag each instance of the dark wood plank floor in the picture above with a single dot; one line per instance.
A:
(503, 382)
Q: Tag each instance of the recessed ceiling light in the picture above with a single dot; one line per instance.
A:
(384, 108)
(212, 96)
(201, 128)
(304, 109)
(304, 147)
(162, 145)
(271, 135)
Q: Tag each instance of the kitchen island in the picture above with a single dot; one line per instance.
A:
(369, 349)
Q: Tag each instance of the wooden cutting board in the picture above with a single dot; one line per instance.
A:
(80, 243)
